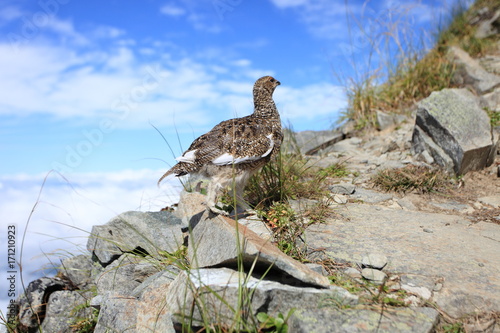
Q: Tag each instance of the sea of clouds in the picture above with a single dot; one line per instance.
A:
(54, 214)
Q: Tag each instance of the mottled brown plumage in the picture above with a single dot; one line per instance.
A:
(237, 148)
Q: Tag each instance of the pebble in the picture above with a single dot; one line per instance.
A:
(374, 275)
(422, 292)
(340, 199)
(345, 189)
(352, 272)
(438, 286)
(428, 230)
(374, 260)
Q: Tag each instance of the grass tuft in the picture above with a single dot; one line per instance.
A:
(412, 178)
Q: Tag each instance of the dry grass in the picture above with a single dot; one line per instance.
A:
(419, 179)
(417, 72)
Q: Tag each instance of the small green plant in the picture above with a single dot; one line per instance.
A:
(411, 178)
(337, 170)
(177, 258)
(345, 282)
(87, 323)
(276, 324)
(494, 117)
(286, 227)
(452, 328)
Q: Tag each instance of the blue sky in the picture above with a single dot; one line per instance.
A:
(82, 83)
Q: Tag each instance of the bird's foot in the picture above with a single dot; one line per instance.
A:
(217, 210)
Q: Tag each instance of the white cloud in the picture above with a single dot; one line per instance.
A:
(68, 208)
(171, 9)
(317, 101)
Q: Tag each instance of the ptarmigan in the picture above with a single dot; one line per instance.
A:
(235, 149)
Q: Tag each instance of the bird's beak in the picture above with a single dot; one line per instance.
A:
(278, 83)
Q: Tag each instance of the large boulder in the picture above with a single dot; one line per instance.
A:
(214, 295)
(221, 241)
(455, 131)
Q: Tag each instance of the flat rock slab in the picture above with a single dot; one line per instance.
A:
(411, 320)
(447, 248)
(213, 242)
(216, 293)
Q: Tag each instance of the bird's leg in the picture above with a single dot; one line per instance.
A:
(214, 187)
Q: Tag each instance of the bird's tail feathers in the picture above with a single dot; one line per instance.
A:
(177, 170)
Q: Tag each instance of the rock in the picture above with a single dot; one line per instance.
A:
(61, 307)
(370, 196)
(489, 27)
(342, 188)
(327, 320)
(451, 205)
(190, 208)
(155, 281)
(421, 292)
(492, 200)
(78, 270)
(147, 232)
(152, 311)
(352, 272)
(117, 314)
(315, 142)
(491, 100)
(374, 260)
(455, 130)
(470, 73)
(214, 243)
(451, 252)
(491, 63)
(317, 268)
(121, 277)
(385, 120)
(36, 295)
(260, 295)
(373, 275)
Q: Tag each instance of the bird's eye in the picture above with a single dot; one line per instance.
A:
(272, 80)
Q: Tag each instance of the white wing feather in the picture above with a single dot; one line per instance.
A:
(187, 157)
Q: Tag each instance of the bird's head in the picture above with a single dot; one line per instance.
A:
(265, 84)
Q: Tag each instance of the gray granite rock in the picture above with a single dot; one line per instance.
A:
(452, 252)
(117, 314)
(148, 232)
(373, 275)
(455, 130)
(217, 291)
(327, 320)
(213, 242)
(370, 196)
(491, 200)
(78, 269)
(489, 27)
(470, 73)
(342, 188)
(190, 208)
(121, 277)
(31, 309)
(374, 260)
(315, 142)
(153, 313)
(62, 310)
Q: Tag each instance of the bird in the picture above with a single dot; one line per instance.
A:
(235, 149)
